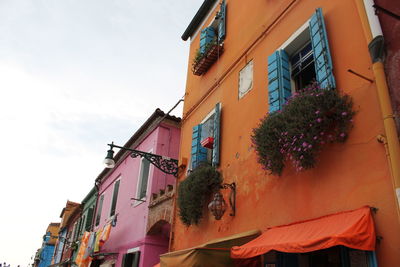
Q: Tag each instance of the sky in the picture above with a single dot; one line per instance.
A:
(74, 76)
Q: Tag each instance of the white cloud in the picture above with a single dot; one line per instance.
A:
(75, 75)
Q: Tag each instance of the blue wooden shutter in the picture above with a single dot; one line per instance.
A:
(222, 22)
(372, 262)
(199, 153)
(279, 89)
(322, 55)
(217, 134)
(207, 35)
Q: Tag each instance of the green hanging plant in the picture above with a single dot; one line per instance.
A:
(195, 190)
(199, 56)
(311, 118)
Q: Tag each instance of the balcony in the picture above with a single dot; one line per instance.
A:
(203, 62)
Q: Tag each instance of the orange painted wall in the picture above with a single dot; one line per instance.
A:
(347, 176)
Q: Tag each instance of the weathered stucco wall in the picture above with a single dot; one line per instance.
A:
(346, 177)
(131, 227)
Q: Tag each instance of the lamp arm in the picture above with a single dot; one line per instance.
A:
(165, 164)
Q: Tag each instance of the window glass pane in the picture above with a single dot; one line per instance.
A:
(207, 128)
(302, 66)
(98, 214)
(307, 49)
(358, 258)
(295, 59)
(144, 177)
(115, 197)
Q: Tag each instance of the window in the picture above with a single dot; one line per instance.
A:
(76, 230)
(131, 259)
(338, 256)
(143, 179)
(71, 234)
(99, 208)
(216, 31)
(82, 228)
(114, 198)
(206, 139)
(211, 42)
(304, 58)
(88, 222)
(246, 79)
(302, 67)
(207, 131)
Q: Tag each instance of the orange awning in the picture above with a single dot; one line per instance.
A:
(353, 229)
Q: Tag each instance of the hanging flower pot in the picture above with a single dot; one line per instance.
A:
(208, 142)
(194, 192)
(311, 118)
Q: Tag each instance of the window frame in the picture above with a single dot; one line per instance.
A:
(293, 45)
(118, 180)
(135, 255)
(140, 179)
(206, 118)
(99, 210)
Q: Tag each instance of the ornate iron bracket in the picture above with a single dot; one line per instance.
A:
(232, 196)
(165, 164)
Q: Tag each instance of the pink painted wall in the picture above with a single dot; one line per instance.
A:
(130, 230)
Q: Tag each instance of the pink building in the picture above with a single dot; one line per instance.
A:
(136, 197)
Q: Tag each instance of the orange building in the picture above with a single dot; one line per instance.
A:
(247, 59)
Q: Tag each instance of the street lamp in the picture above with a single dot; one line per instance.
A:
(165, 164)
(218, 205)
(109, 162)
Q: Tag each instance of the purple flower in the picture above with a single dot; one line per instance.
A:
(309, 146)
(342, 135)
(317, 112)
(344, 113)
(319, 120)
(304, 144)
(315, 137)
(321, 133)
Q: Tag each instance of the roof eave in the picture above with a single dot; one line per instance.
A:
(198, 18)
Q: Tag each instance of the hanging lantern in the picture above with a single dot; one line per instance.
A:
(218, 206)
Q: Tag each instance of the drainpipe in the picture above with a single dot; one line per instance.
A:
(373, 34)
